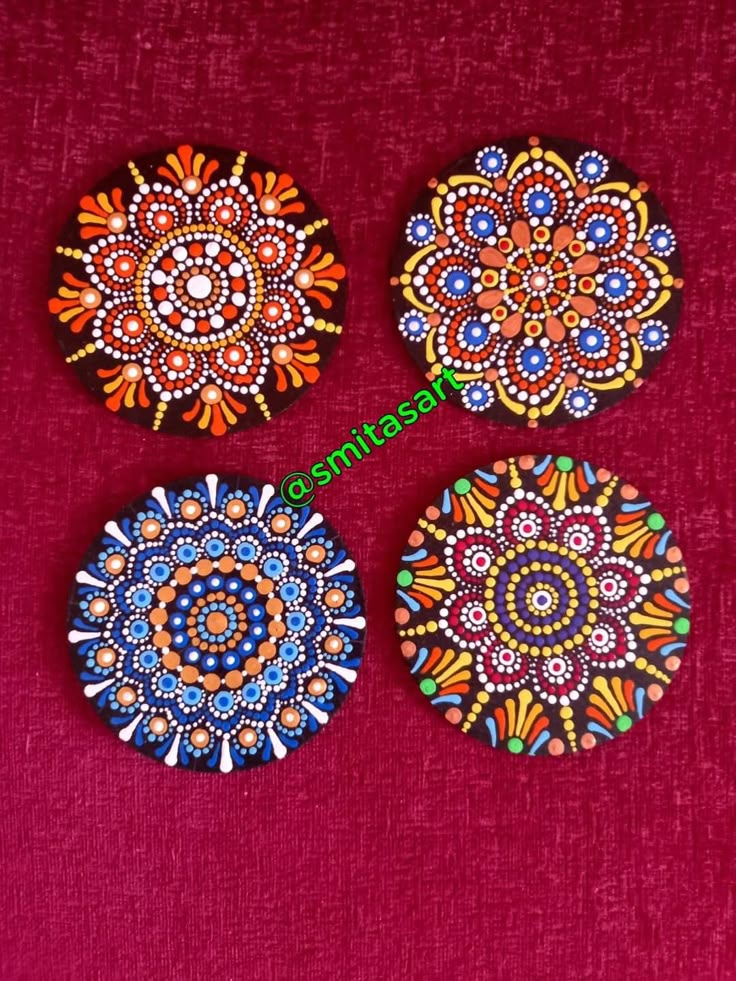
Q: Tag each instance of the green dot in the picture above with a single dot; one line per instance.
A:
(655, 522)
(405, 578)
(564, 463)
(682, 626)
(428, 686)
(514, 745)
(463, 485)
(623, 723)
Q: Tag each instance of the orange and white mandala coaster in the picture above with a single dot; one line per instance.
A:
(544, 273)
(197, 291)
(542, 605)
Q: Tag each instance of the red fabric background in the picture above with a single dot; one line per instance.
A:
(390, 846)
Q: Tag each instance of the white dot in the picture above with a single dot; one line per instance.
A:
(199, 287)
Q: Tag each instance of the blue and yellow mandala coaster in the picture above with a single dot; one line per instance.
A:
(215, 627)
(544, 273)
(542, 605)
(197, 291)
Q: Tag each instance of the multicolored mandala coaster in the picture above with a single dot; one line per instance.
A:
(214, 627)
(197, 291)
(542, 605)
(545, 273)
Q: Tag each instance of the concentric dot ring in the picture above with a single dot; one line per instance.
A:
(215, 627)
(542, 605)
(198, 291)
(544, 273)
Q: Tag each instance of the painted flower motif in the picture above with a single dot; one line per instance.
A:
(215, 627)
(534, 271)
(207, 275)
(549, 613)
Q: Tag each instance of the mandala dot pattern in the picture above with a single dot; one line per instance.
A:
(213, 626)
(542, 605)
(544, 273)
(197, 291)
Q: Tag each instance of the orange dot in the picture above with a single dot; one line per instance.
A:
(171, 660)
(90, 298)
(315, 553)
(127, 695)
(99, 607)
(304, 279)
(269, 204)
(132, 372)
(333, 644)
(235, 508)
(162, 639)
(191, 184)
(211, 682)
(150, 528)
(587, 741)
(264, 587)
(249, 571)
(454, 715)
(117, 222)
(276, 628)
(227, 563)
(191, 509)
(189, 674)
(290, 718)
(216, 622)
(158, 616)
(282, 354)
(274, 605)
(247, 737)
(655, 692)
(183, 576)
(167, 594)
(334, 597)
(105, 657)
(401, 615)
(253, 666)
(280, 523)
(556, 747)
(158, 725)
(204, 567)
(234, 679)
(408, 648)
(211, 394)
(628, 492)
(200, 738)
(115, 563)
(317, 686)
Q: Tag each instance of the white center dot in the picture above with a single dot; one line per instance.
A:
(199, 287)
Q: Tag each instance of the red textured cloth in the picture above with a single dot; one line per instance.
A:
(390, 846)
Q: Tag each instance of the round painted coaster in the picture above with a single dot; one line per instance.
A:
(213, 626)
(542, 605)
(197, 291)
(544, 273)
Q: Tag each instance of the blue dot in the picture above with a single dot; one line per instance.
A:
(476, 395)
(248, 594)
(191, 695)
(295, 620)
(215, 548)
(592, 340)
(579, 400)
(224, 701)
(591, 167)
(210, 662)
(288, 652)
(289, 591)
(184, 602)
(616, 284)
(177, 620)
(273, 674)
(483, 224)
(230, 660)
(458, 283)
(273, 568)
(168, 682)
(142, 597)
(215, 582)
(474, 332)
(246, 551)
(600, 231)
(539, 203)
(258, 631)
(256, 612)
(492, 161)
(160, 572)
(661, 241)
(414, 326)
(533, 359)
(179, 640)
(149, 659)
(139, 629)
(232, 585)
(191, 656)
(421, 229)
(186, 553)
(251, 692)
(247, 645)
(653, 335)
(197, 588)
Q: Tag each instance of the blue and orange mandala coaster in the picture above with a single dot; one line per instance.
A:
(197, 291)
(544, 273)
(542, 605)
(213, 626)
